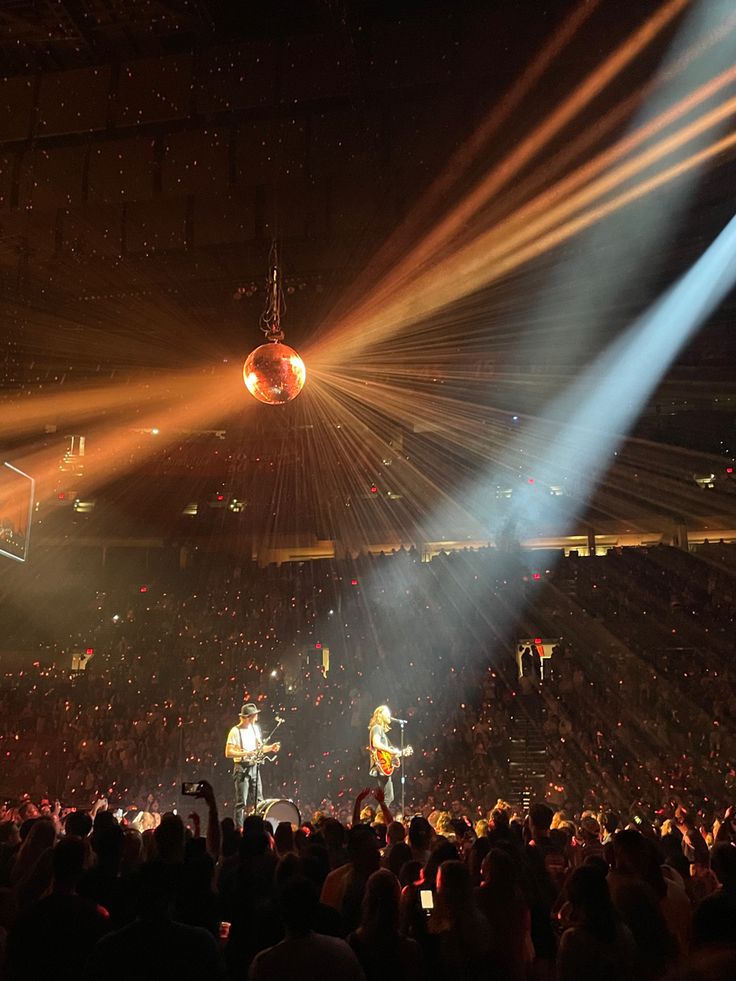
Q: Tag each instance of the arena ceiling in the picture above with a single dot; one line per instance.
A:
(151, 151)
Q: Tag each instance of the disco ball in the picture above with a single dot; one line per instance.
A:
(274, 373)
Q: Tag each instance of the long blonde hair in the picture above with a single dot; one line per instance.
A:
(380, 717)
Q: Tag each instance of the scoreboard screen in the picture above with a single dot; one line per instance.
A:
(16, 511)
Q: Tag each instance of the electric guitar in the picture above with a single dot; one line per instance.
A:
(385, 761)
(260, 755)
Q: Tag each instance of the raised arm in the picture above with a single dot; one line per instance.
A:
(381, 799)
(359, 804)
(214, 831)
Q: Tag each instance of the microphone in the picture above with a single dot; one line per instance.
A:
(402, 722)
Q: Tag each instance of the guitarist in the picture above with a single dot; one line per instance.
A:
(378, 744)
(244, 746)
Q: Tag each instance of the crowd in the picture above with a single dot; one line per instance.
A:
(513, 897)
(172, 662)
(634, 709)
(116, 690)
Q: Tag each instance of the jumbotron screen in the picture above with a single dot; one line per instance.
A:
(16, 509)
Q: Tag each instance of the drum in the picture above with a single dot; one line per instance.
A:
(274, 811)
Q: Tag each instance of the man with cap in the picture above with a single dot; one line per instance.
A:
(244, 745)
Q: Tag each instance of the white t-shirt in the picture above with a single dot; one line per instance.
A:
(248, 738)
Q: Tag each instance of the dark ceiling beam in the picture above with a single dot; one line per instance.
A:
(196, 13)
(16, 28)
(79, 18)
(418, 93)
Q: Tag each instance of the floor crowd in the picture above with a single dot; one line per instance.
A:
(623, 865)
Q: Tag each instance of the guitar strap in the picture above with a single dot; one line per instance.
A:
(242, 747)
(240, 740)
(259, 743)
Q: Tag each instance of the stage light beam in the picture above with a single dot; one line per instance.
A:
(597, 410)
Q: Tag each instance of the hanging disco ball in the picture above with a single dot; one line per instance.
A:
(274, 373)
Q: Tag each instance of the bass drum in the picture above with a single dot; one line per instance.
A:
(275, 811)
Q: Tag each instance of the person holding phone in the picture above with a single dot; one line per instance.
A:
(245, 748)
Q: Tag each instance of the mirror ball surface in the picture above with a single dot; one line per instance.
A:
(274, 373)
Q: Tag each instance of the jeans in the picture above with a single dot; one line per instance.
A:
(387, 786)
(248, 790)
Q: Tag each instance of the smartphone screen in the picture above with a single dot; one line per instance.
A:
(426, 899)
(190, 789)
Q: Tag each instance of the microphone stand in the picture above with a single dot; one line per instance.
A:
(402, 723)
(260, 760)
(270, 736)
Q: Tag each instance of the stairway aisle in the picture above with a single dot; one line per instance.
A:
(527, 752)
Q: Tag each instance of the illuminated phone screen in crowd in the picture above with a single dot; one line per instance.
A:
(16, 510)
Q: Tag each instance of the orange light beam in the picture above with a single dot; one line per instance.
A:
(459, 273)
(576, 225)
(470, 275)
(109, 448)
(472, 426)
(21, 417)
(464, 156)
(544, 203)
(625, 145)
(359, 431)
(600, 187)
(357, 405)
(443, 232)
